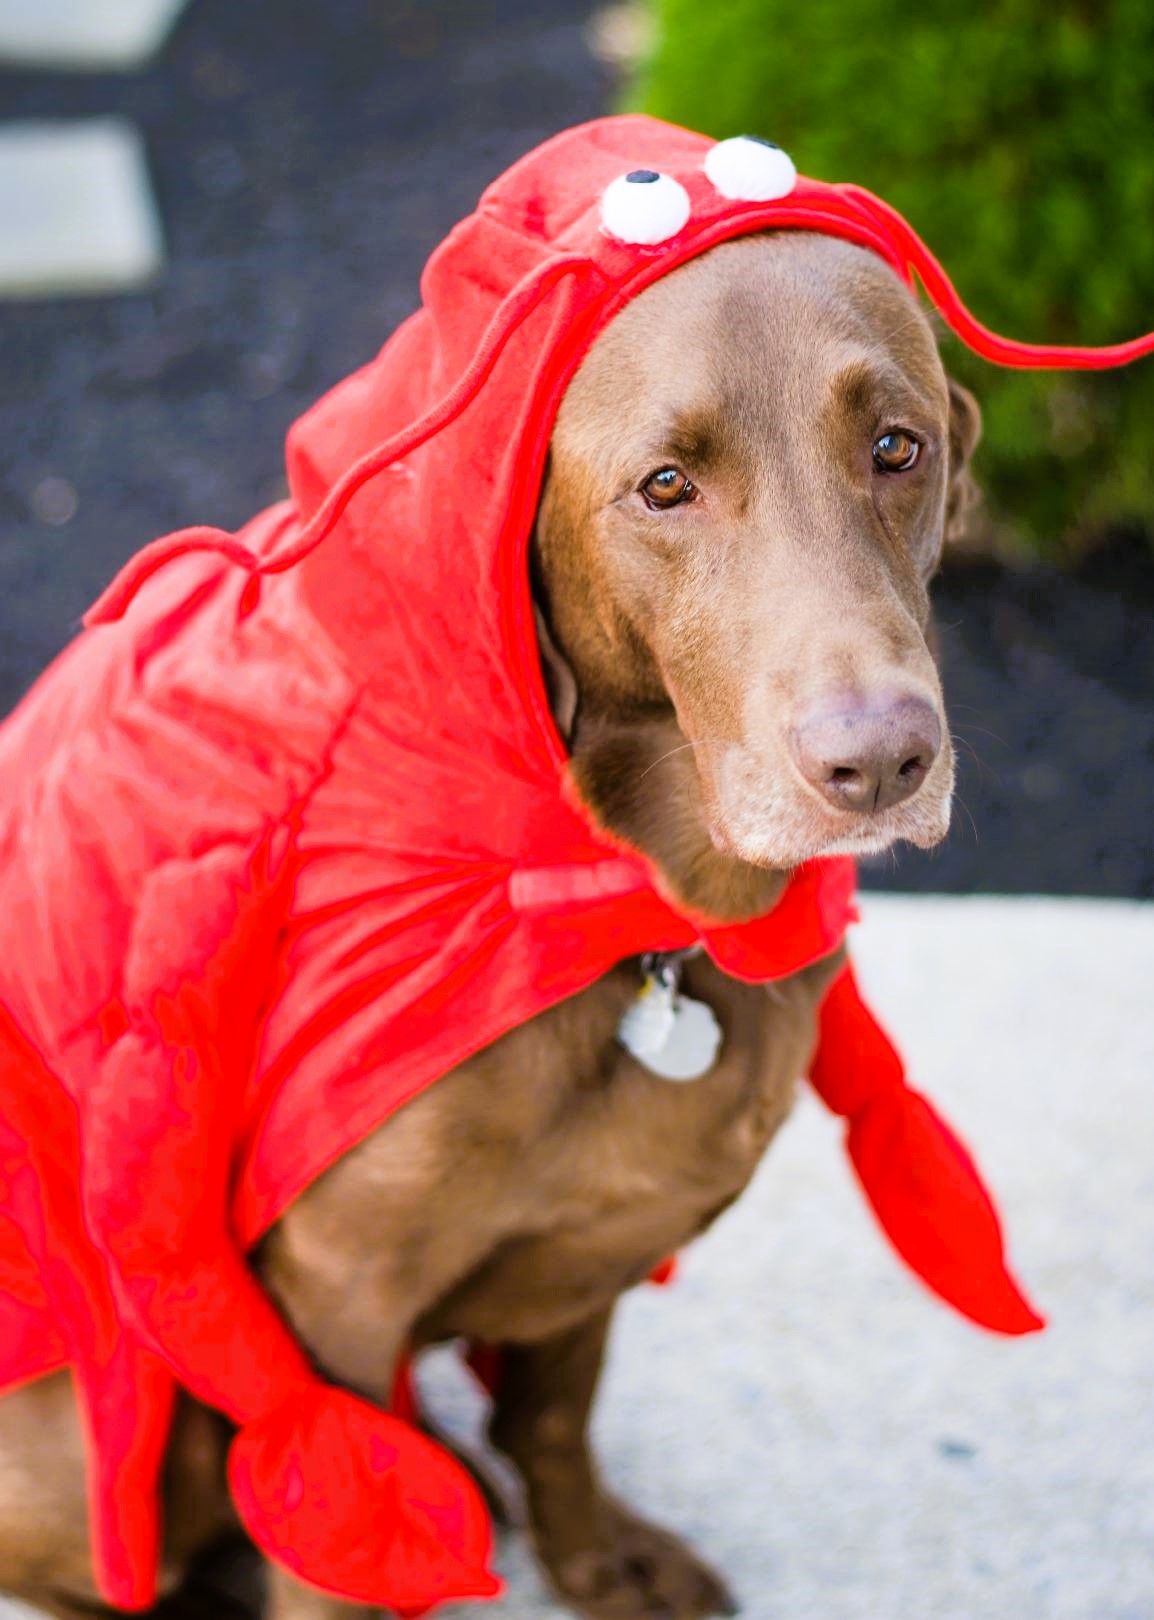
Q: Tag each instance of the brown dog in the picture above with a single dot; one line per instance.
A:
(748, 486)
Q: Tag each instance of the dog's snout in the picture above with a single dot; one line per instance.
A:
(862, 755)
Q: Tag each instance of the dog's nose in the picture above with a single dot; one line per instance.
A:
(867, 755)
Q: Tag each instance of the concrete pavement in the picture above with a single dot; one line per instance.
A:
(840, 1445)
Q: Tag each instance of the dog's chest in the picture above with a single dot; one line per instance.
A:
(631, 1165)
(523, 1191)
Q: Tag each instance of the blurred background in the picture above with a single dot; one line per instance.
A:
(210, 212)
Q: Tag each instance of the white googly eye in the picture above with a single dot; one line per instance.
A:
(747, 169)
(644, 207)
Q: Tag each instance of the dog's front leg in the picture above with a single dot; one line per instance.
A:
(607, 1562)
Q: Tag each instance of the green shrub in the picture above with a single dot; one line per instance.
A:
(1018, 139)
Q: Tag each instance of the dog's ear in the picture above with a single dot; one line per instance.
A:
(962, 494)
(560, 681)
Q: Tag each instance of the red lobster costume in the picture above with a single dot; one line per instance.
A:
(285, 835)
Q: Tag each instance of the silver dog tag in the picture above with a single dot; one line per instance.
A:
(673, 1035)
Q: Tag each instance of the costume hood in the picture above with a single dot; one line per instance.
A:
(287, 834)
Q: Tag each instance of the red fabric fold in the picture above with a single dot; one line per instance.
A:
(919, 1178)
(125, 1392)
(357, 1503)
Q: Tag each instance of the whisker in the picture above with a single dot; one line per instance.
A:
(681, 747)
(964, 742)
(973, 823)
(985, 768)
(985, 732)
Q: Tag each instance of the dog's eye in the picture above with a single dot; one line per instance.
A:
(896, 451)
(666, 488)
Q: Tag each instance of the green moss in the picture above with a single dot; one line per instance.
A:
(1019, 140)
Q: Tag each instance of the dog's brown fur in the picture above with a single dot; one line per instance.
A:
(517, 1198)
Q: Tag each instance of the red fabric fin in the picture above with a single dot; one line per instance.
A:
(344, 1496)
(337, 1505)
(919, 1178)
(358, 1504)
(927, 1194)
(855, 1059)
(664, 1272)
(125, 1393)
(126, 1404)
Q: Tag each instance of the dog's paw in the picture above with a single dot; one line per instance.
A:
(637, 1571)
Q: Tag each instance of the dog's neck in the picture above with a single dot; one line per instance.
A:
(634, 770)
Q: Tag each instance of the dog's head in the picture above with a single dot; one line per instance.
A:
(749, 483)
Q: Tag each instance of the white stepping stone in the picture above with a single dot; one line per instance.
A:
(76, 210)
(85, 34)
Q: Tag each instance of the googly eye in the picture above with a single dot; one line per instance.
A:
(644, 207)
(747, 169)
